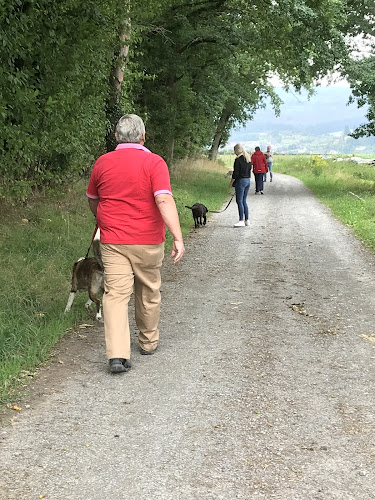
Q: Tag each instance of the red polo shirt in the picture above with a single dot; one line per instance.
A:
(126, 182)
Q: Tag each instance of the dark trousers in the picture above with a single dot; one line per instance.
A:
(258, 182)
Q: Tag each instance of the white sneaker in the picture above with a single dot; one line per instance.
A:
(240, 223)
(247, 223)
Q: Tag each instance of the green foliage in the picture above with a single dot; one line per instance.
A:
(208, 64)
(318, 165)
(194, 70)
(55, 62)
(37, 243)
(359, 17)
(359, 68)
(361, 76)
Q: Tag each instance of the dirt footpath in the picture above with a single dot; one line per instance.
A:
(263, 386)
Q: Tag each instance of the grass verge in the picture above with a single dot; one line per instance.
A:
(347, 188)
(39, 242)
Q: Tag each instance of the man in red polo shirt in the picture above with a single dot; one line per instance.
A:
(129, 192)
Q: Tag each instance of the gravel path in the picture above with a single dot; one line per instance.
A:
(263, 386)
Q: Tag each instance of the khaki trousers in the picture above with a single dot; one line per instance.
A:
(125, 266)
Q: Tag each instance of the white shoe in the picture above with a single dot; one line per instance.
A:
(240, 223)
(247, 223)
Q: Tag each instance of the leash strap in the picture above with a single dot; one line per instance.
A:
(221, 211)
(92, 239)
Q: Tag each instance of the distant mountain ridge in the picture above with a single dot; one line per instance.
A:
(303, 122)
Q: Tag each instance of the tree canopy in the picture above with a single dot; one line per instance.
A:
(55, 61)
(359, 67)
(192, 70)
(210, 63)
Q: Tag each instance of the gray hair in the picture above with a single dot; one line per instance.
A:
(130, 128)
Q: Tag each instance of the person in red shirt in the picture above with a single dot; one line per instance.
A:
(130, 194)
(259, 163)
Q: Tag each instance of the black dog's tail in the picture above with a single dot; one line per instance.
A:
(191, 208)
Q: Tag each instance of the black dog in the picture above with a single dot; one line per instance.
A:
(199, 214)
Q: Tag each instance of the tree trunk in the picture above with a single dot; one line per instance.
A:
(172, 83)
(170, 151)
(113, 108)
(224, 118)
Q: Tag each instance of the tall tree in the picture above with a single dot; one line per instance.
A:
(299, 40)
(116, 79)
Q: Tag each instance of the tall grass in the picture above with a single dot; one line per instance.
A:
(38, 245)
(347, 188)
(202, 181)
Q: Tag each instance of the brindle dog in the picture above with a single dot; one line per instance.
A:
(88, 276)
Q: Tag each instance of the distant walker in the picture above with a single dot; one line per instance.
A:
(269, 158)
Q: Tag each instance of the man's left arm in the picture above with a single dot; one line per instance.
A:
(168, 211)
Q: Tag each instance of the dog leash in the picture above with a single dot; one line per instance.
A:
(92, 239)
(221, 211)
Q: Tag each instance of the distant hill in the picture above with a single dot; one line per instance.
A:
(317, 125)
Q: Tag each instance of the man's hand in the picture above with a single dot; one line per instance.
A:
(178, 251)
